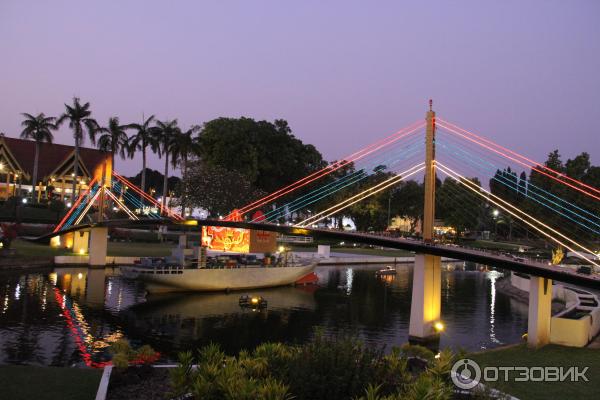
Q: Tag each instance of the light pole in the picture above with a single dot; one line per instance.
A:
(495, 213)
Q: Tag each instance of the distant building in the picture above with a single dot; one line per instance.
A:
(55, 169)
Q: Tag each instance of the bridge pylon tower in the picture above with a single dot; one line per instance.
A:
(425, 312)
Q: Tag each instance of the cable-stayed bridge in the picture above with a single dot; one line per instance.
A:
(566, 210)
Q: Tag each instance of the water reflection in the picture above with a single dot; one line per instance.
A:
(71, 315)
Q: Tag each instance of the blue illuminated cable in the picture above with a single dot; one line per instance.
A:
(511, 186)
(81, 206)
(351, 178)
(324, 195)
(530, 185)
(350, 175)
(131, 198)
(348, 184)
(504, 181)
(322, 192)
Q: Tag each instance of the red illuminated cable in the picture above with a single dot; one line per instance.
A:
(81, 196)
(518, 161)
(146, 195)
(346, 160)
(331, 168)
(519, 155)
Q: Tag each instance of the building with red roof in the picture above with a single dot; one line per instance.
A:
(55, 168)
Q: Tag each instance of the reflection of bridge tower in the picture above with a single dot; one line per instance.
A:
(426, 292)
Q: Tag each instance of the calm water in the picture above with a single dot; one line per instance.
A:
(70, 316)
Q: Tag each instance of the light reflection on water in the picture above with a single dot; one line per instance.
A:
(71, 315)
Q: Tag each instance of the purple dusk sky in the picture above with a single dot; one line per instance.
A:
(343, 73)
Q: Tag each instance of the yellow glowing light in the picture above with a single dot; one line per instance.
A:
(281, 249)
(81, 251)
(438, 326)
(348, 202)
(191, 222)
(79, 275)
(254, 300)
(480, 191)
(1, 165)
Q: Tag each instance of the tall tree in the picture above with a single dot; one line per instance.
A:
(407, 202)
(267, 153)
(39, 129)
(183, 145)
(80, 119)
(114, 139)
(164, 133)
(140, 141)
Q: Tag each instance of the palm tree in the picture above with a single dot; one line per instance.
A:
(79, 117)
(38, 128)
(182, 147)
(164, 133)
(140, 141)
(114, 139)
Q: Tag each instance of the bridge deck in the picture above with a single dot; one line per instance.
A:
(479, 256)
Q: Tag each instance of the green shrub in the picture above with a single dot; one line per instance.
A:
(181, 376)
(325, 368)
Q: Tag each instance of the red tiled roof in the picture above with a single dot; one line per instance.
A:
(51, 155)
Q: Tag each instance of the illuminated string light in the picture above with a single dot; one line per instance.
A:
(121, 205)
(498, 202)
(334, 167)
(469, 156)
(340, 184)
(531, 193)
(519, 161)
(89, 204)
(82, 206)
(132, 199)
(519, 155)
(81, 196)
(362, 195)
(147, 196)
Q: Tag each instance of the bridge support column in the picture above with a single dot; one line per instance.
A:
(540, 311)
(425, 308)
(81, 242)
(98, 246)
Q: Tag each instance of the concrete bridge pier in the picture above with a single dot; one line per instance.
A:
(425, 308)
(98, 246)
(540, 311)
(81, 242)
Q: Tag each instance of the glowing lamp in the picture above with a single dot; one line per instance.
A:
(254, 300)
(438, 326)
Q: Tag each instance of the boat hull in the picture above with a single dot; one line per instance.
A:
(211, 280)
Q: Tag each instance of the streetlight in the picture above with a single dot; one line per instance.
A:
(495, 213)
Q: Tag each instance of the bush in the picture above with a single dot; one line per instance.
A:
(325, 368)
(124, 356)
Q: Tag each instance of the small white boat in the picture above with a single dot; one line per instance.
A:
(169, 278)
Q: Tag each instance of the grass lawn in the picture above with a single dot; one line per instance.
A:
(48, 383)
(29, 251)
(551, 355)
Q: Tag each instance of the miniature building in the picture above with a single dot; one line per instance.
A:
(55, 169)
